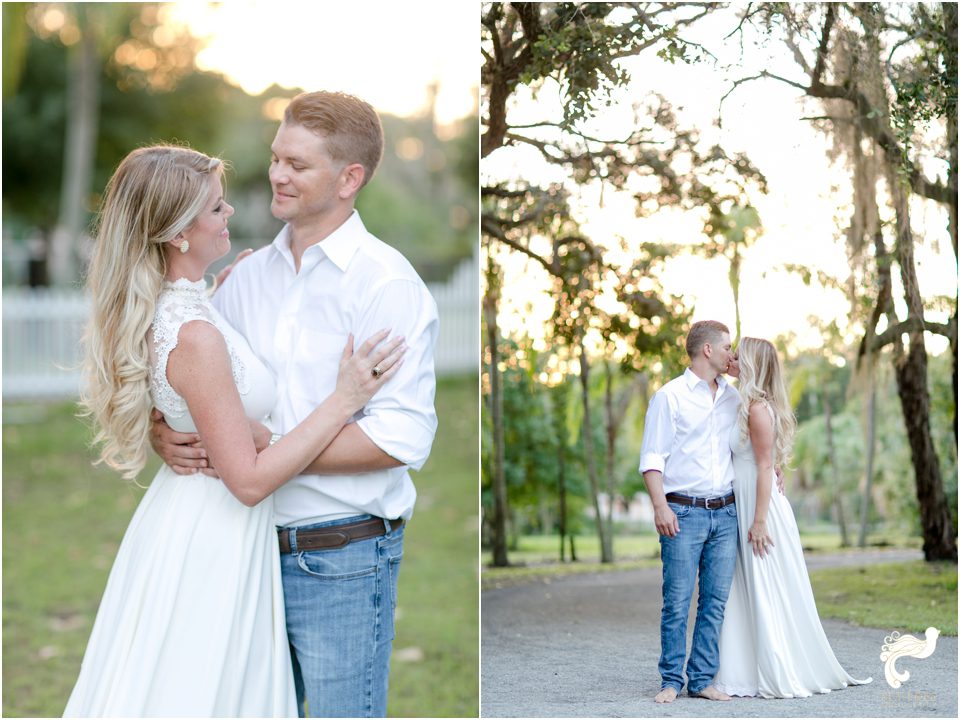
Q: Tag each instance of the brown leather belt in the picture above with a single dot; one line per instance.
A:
(335, 536)
(714, 503)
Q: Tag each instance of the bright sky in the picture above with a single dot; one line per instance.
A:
(388, 53)
(800, 215)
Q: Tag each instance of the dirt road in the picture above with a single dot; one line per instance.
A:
(588, 645)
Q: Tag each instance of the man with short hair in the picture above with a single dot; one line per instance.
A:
(686, 464)
(296, 301)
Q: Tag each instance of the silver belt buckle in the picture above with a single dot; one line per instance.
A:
(709, 503)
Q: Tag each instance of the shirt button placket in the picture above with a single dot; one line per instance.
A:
(285, 336)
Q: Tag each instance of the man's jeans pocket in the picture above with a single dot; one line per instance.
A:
(315, 564)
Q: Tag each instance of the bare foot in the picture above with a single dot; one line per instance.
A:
(711, 693)
(667, 695)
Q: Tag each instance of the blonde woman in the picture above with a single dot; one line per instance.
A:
(772, 643)
(191, 622)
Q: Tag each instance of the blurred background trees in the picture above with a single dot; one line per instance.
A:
(573, 120)
(604, 310)
(886, 80)
(85, 83)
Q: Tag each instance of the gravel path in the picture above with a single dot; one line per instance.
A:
(587, 646)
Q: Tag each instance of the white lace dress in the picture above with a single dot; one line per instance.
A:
(191, 622)
(772, 643)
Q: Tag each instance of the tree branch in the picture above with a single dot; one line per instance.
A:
(868, 121)
(882, 136)
(748, 14)
(913, 324)
(496, 191)
(821, 64)
(490, 226)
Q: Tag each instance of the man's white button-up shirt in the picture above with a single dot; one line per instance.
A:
(686, 436)
(298, 323)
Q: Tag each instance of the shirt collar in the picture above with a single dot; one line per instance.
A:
(340, 245)
(692, 379)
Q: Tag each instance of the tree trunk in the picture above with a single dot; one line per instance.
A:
(939, 535)
(500, 506)
(950, 60)
(735, 287)
(611, 449)
(871, 451)
(953, 356)
(559, 423)
(544, 515)
(562, 493)
(83, 105)
(832, 458)
(606, 546)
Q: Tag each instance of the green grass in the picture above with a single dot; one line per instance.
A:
(535, 550)
(439, 599)
(536, 557)
(909, 597)
(540, 549)
(63, 521)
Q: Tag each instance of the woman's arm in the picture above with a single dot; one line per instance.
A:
(760, 427)
(199, 370)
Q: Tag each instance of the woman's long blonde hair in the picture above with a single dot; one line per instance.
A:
(762, 381)
(155, 194)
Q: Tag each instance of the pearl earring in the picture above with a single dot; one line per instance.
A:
(184, 246)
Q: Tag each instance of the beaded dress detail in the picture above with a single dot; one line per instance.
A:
(181, 302)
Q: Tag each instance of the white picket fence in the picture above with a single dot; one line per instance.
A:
(42, 329)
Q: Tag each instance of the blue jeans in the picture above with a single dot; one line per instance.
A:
(340, 605)
(707, 542)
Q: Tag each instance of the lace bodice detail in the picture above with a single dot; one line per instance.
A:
(181, 302)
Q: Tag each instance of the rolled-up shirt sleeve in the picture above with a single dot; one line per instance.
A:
(401, 419)
(658, 434)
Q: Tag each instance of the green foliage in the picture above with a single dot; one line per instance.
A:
(15, 37)
(925, 87)
(579, 45)
(543, 413)
(599, 309)
(33, 136)
(535, 432)
(581, 54)
(739, 225)
(423, 204)
(942, 417)
(132, 112)
(814, 377)
(893, 500)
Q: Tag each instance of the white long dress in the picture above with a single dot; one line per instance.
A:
(191, 622)
(772, 643)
